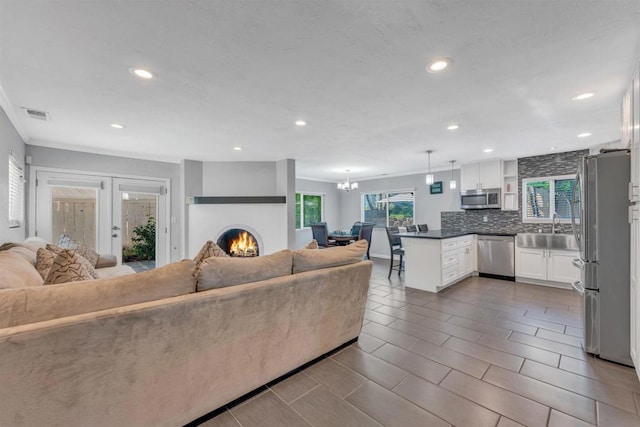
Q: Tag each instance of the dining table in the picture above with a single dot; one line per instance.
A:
(342, 237)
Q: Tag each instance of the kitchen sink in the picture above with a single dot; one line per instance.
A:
(547, 241)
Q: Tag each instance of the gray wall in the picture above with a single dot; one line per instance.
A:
(10, 140)
(331, 206)
(103, 164)
(190, 185)
(511, 221)
(427, 206)
(239, 179)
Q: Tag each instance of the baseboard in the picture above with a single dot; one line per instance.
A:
(262, 388)
(381, 256)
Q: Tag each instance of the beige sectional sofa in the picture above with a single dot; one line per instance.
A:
(159, 349)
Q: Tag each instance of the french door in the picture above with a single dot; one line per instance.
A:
(121, 216)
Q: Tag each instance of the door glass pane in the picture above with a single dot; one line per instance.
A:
(139, 230)
(74, 215)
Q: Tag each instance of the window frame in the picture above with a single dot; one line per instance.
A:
(552, 199)
(15, 174)
(386, 194)
(322, 205)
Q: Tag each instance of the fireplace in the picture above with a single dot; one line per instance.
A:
(239, 242)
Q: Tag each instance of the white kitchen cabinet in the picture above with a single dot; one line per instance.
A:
(546, 267)
(632, 140)
(476, 176)
(531, 263)
(433, 264)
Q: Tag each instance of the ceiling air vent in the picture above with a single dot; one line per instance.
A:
(36, 114)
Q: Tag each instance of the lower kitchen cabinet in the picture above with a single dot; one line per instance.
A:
(433, 264)
(546, 267)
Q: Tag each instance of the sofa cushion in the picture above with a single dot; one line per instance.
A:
(68, 267)
(25, 251)
(305, 259)
(17, 271)
(218, 272)
(37, 304)
(86, 264)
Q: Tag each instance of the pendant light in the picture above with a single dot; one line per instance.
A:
(347, 185)
(429, 177)
(452, 183)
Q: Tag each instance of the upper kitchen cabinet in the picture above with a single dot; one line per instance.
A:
(476, 176)
(510, 185)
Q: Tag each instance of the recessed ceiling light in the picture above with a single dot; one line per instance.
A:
(582, 96)
(453, 127)
(552, 148)
(488, 150)
(301, 123)
(584, 135)
(117, 126)
(237, 148)
(439, 64)
(142, 73)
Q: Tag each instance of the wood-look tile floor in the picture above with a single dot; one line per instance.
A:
(484, 352)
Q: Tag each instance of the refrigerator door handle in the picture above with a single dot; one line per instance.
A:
(574, 225)
(578, 263)
(578, 286)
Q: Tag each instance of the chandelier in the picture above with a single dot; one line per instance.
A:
(347, 185)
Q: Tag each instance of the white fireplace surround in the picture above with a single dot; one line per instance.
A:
(266, 221)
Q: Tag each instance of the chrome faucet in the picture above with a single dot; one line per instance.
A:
(555, 219)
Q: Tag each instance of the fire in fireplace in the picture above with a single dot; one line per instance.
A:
(239, 243)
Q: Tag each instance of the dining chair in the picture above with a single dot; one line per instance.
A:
(423, 227)
(411, 228)
(366, 232)
(321, 235)
(355, 229)
(395, 246)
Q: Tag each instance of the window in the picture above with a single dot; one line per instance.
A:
(309, 209)
(388, 209)
(541, 197)
(16, 193)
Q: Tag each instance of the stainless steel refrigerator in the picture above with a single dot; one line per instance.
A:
(601, 227)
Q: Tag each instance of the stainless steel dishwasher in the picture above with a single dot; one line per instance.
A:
(496, 256)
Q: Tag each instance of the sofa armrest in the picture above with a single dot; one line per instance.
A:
(106, 261)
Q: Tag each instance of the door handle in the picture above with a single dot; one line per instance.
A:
(578, 263)
(115, 227)
(114, 235)
(578, 286)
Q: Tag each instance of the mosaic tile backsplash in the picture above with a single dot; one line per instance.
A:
(498, 221)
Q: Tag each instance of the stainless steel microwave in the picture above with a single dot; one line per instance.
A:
(488, 198)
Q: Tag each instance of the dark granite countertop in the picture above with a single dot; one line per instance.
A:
(447, 234)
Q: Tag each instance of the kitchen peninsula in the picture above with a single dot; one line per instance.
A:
(438, 258)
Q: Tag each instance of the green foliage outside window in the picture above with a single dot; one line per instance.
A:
(308, 209)
(144, 240)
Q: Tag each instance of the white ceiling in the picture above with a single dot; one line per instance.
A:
(235, 72)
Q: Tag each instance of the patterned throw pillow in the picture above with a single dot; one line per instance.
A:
(207, 251)
(85, 262)
(44, 261)
(312, 245)
(87, 253)
(66, 268)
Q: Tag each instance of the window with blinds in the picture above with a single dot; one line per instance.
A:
(541, 197)
(16, 193)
